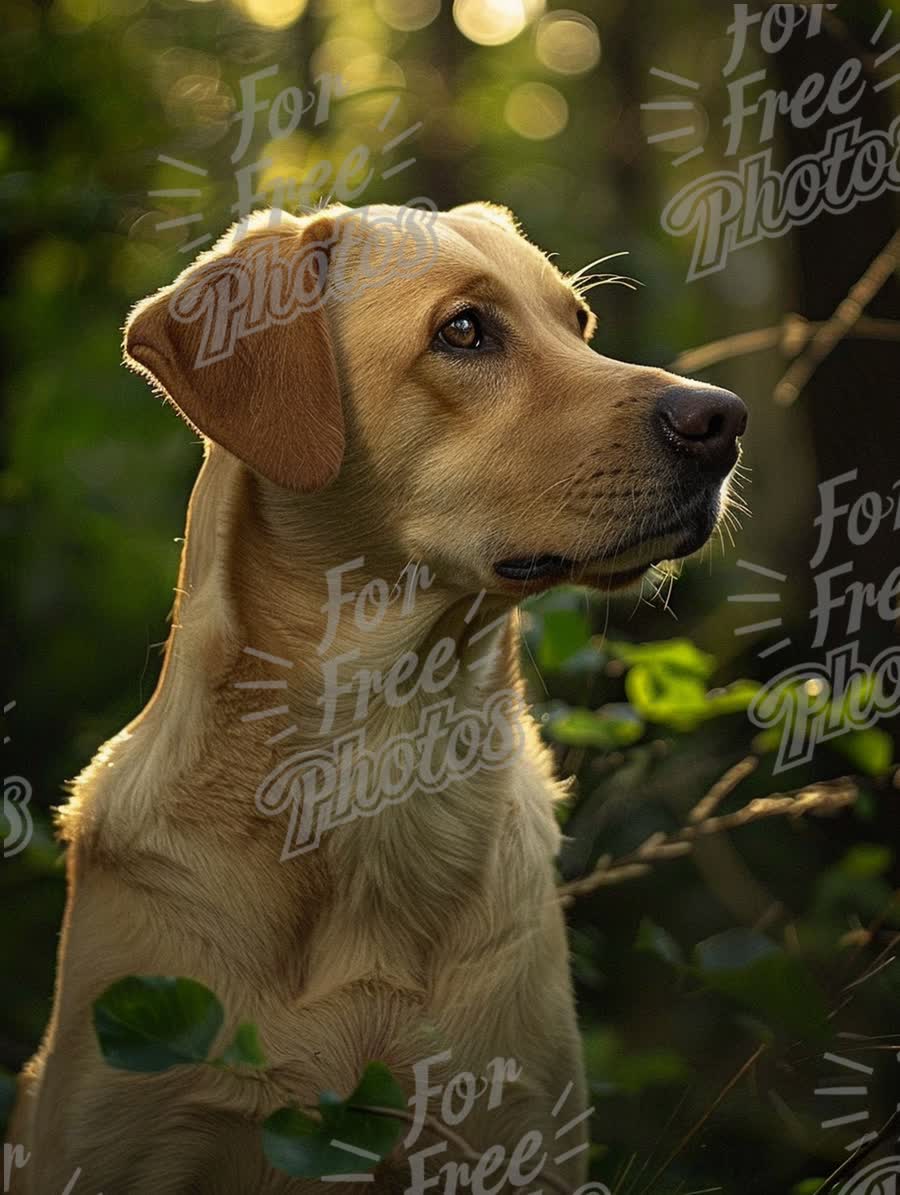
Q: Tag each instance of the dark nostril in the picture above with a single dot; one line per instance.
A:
(716, 426)
(703, 422)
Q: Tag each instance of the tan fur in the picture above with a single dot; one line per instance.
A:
(432, 925)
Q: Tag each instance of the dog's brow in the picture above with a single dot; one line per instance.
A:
(487, 288)
(478, 286)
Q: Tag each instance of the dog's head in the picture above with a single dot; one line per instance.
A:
(430, 376)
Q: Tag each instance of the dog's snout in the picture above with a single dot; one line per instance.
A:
(703, 423)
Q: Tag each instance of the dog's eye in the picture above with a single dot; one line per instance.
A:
(462, 332)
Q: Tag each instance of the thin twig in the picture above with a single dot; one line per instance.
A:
(846, 315)
(820, 799)
(721, 789)
(694, 1129)
(790, 336)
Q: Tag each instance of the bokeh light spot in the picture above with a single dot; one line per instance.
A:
(567, 42)
(536, 111)
(273, 14)
(407, 15)
(490, 22)
(357, 65)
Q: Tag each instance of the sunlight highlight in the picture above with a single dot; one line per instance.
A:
(567, 42)
(490, 22)
(273, 14)
(536, 111)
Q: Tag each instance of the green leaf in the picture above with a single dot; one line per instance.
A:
(312, 1148)
(149, 1023)
(673, 698)
(667, 682)
(653, 939)
(732, 699)
(649, 1068)
(608, 728)
(675, 655)
(245, 1049)
(866, 860)
(612, 1067)
(564, 633)
(755, 972)
(859, 694)
(870, 751)
(767, 740)
(301, 1146)
(733, 949)
(378, 1089)
(680, 699)
(587, 662)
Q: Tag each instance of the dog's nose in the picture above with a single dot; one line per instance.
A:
(703, 423)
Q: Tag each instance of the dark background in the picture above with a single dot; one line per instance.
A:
(703, 1076)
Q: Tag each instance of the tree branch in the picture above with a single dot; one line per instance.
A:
(790, 337)
(820, 799)
(833, 331)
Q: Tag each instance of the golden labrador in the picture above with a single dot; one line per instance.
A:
(335, 811)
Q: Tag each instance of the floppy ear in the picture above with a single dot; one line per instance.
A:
(241, 347)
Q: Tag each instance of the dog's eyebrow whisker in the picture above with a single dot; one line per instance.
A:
(611, 280)
(260, 684)
(599, 262)
(580, 285)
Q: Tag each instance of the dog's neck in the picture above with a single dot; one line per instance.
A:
(203, 763)
(286, 639)
(359, 637)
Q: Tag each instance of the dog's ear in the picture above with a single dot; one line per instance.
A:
(240, 344)
(494, 213)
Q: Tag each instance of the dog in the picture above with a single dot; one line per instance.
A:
(406, 432)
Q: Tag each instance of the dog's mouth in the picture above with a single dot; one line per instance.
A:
(560, 568)
(626, 564)
(555, 570)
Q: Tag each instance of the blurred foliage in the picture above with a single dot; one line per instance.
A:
(766, 946)
(686, 973)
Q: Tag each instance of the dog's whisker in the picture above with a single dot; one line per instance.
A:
(628, 283)
(598, 262)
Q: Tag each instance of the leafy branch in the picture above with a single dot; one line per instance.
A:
(151, 1023)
